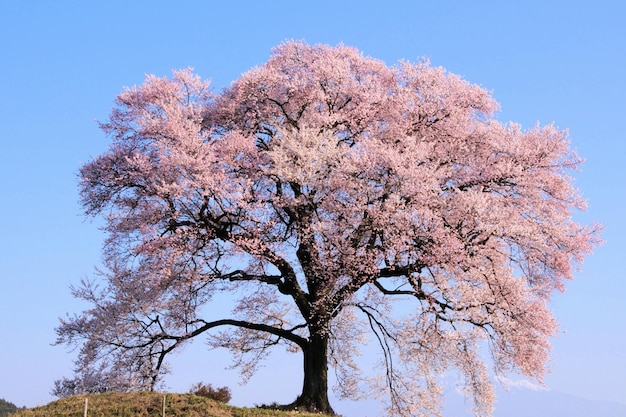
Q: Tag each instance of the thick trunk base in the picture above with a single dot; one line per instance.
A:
(313, 405)
(314, 395)
(307, 405)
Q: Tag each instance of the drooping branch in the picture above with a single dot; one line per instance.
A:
(159, 339)
(383, 336)
(287, 334)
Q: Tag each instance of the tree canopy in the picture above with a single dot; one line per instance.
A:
(7, 408)
(337, 200)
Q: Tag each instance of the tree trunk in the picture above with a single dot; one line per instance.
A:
(314, 395)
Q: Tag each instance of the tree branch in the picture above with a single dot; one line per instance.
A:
(283, 333)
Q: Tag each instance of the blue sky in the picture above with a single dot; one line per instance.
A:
(62, 63)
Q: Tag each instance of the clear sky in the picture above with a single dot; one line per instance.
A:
(63, 62)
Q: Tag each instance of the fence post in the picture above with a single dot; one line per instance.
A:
(163, 411)
(85, 408)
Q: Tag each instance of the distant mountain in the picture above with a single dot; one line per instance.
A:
(524, 402)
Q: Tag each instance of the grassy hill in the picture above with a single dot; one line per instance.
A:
(148, 404)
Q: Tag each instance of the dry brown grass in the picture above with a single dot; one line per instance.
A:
(148, 404)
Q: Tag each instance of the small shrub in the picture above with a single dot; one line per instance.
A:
(272, 406)
(206, 390)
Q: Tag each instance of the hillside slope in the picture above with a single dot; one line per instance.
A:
(147, 404)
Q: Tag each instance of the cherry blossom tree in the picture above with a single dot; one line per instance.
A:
(336, 200)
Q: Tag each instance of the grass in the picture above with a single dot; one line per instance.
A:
(148, 404)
